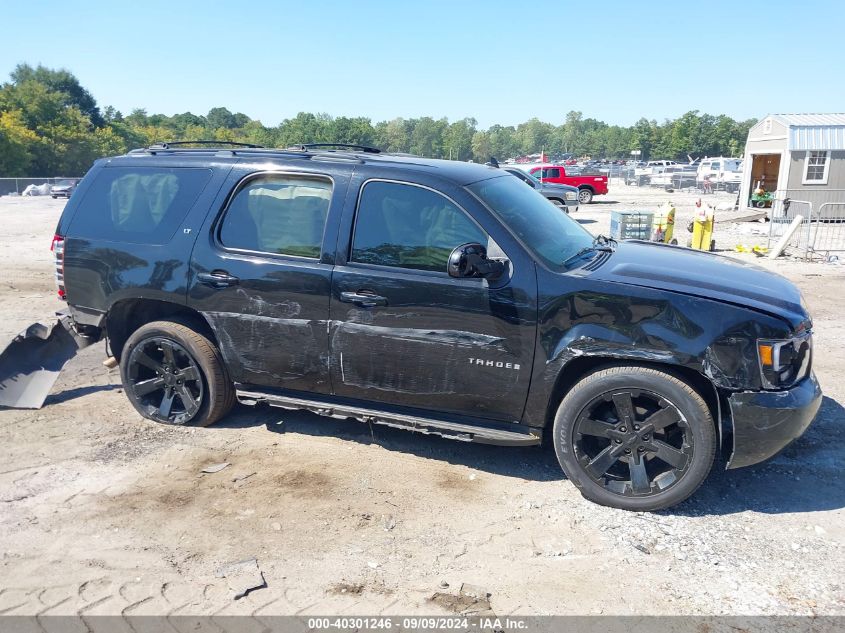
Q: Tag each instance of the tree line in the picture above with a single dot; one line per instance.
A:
(51, 125)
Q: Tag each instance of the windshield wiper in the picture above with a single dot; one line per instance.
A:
(601, 244)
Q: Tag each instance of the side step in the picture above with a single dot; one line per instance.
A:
(429, 426)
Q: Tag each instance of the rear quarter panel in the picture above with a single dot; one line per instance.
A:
(100, 272)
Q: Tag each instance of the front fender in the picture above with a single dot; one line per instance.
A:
(620, 323)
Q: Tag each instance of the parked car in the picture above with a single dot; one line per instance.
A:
(437, 296)
(564, 196)
(588, 186)
(63, 189)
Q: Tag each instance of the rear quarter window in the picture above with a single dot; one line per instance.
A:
(143, 205)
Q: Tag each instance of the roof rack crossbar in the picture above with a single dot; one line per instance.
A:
(169, 144)
(364, 148)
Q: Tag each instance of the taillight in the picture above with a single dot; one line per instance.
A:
(58, 248)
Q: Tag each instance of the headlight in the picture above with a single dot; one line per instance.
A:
(571, 195)
(784, 363)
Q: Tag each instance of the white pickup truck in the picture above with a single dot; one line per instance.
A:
(723, 173)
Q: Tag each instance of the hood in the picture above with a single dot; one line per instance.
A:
(707, 275)
(548, 186)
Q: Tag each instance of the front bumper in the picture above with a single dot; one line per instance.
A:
(765, 422)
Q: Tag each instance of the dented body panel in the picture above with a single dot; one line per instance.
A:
(581, 316)
(459, 346)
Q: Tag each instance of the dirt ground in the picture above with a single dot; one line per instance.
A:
(103, 512)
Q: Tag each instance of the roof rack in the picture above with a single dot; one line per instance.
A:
(364, 148)
(169, 144)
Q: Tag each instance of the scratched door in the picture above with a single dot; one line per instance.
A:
(403, 332)
(262, 280)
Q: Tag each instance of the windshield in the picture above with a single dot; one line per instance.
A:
(524, 175)
(64, 183)
(545, 230)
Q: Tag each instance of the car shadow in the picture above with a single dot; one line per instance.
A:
(77, 392)
(585, 221)
(806, 477)
(598, 201)
(532, 462)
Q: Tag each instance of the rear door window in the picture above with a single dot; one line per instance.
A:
(553, 173)
(143, 205)
(279, 214)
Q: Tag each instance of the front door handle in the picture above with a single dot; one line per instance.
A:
(217, 279)
(363, 299)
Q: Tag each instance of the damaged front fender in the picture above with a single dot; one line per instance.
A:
(31, 363)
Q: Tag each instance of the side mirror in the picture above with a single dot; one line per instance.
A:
(470, 260)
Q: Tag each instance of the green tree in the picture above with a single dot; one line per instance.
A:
(356, 131)
(482, 149)
(458, 139)
(220, 118)
(63, 83)
(427, 137)
(16, 144)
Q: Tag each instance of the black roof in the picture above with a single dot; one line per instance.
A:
(456, 171)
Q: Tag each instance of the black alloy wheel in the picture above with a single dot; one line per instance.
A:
(634, 437)
(633, 442)
(165, 381)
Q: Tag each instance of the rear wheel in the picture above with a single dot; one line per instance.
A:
(175, 375)
(585, 196)
(634, 438)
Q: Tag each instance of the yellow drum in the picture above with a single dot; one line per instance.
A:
(702, 230)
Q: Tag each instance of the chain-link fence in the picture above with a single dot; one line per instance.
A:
(19, 186)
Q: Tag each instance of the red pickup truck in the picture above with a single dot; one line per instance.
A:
(588, 186)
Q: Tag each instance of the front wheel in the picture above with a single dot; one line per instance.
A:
(634, 438)
(585, 196)
(173, 374)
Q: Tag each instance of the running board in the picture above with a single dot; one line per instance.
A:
(429, 426)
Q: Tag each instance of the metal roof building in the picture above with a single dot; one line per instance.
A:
(799, 156)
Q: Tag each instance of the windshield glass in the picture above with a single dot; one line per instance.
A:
(524, 175)
(544, 229)
(64, 183)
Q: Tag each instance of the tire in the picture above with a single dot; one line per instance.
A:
(590, 433)
(585, 196)
(174, 375)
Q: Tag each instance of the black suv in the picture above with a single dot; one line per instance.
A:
(437, 296)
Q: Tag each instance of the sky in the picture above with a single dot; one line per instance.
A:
(498, 62)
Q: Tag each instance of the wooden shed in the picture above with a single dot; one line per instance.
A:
(797, 156)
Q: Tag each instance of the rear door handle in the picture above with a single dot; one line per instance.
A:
(363, 299)
(218, 279)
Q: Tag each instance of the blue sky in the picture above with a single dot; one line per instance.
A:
(500, 62)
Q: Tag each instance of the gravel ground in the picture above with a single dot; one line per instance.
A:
(104, 512)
